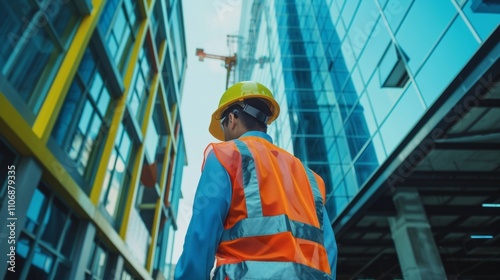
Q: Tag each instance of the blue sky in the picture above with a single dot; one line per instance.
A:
(207, 23)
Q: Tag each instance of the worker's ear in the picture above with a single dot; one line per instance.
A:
(232, 120)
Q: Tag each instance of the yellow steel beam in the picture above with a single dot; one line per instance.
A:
(117, 117)
(20, 135)
(139, 161)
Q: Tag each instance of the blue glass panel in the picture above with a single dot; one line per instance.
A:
(382, 99)
(68, 110)
(356, 130)
(112, 196)
(388, 63)
(340, 203)
(131, 11)
(337, 174)
(124, 42)
(134, 104)
(22, 249)
(85, 117)
(395, 11)
(113, 45)
(33, 59)
(35, 211)
(343, 148)
(119, 24)
(41, 264)
(404, 116)
(366, 164)
(140, 84)
(362, 25)
(375, 47)
(340, 191)
(69, 238)
(87, 66)
(62, 271)
(107, 15)
(76, 144)
(483, 23)
(63, 17)
(125, 146)
(54, 224)
(348, 11)
(96, 86)
(446, 61)
(119, 134)
(368, 117)
(94, 129)
(425, 22)
(103, 101)
(379, 148)
(351, 183)
(12, 26)
(151, 142)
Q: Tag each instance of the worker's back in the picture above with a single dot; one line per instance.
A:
(274, 227)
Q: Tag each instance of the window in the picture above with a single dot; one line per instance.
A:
(392, 68)
(169, 84)
(139, 92)
(486, 6)
(82, 124)
(482, 16)
(158, 25)
(98, 264)
(35, 35)
(157, 137)
(177, 40)
(118, 175)
(45, 247)
(119, 24)
(126, 275)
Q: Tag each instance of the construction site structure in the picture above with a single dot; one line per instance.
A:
(229, 61)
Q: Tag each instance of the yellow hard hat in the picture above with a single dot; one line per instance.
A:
(238, 93)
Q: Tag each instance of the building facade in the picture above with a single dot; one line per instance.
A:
(395, 104)
(91, 142)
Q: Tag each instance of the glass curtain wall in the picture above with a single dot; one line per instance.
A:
(354, 77)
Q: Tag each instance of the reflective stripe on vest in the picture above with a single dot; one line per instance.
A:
(273, 225)
(284, 243)
(250, 182)
(247, 270)
(318, 199)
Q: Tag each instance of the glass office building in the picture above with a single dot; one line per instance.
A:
(91, 142)
(396, 105)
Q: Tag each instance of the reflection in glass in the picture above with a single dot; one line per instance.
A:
(41, 264)
(118, 175)
(35, 208)
(446, 60)
(54, 223)
(31, 50)
(417, 35)
(80, 128)
(402, 119)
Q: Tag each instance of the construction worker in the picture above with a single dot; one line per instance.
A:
(258, 211)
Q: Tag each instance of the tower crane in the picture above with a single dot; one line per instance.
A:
(229, 61)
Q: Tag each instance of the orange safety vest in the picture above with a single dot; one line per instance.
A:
(274, 227)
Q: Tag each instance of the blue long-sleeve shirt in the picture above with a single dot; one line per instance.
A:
(210, 207)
